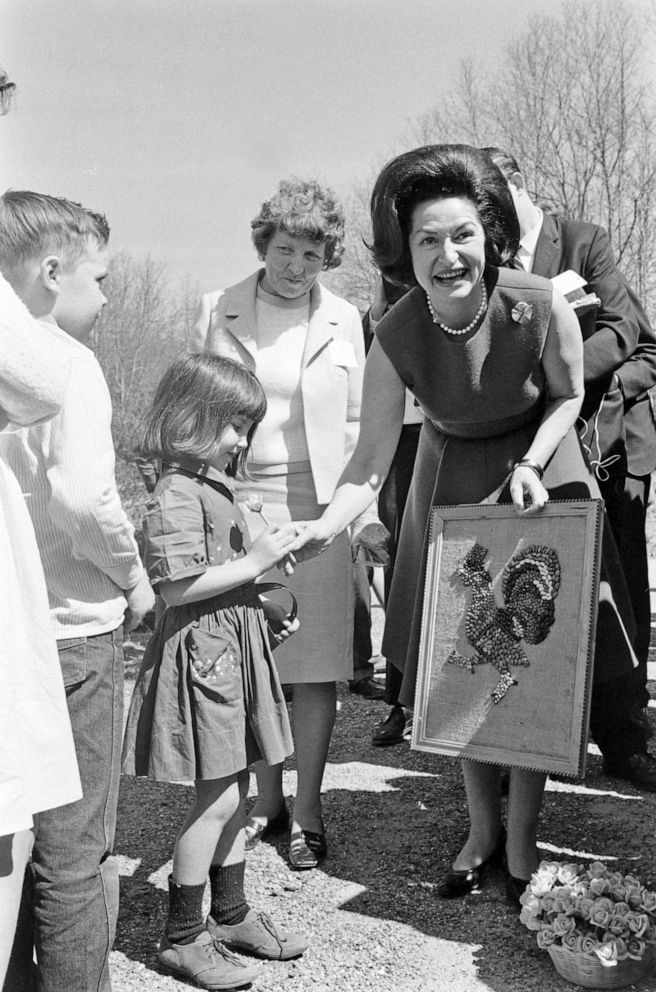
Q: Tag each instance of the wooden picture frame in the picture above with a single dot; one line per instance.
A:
(502, 588)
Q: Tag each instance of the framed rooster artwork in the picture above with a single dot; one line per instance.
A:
(508, 626)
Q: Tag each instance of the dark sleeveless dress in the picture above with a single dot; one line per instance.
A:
(483, 396)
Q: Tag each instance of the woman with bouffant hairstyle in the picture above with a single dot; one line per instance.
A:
(494, 358)
(306, 347)
(438, 171)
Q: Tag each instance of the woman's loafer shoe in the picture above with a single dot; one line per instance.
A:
(458, 883)
(307, 849)
(256, 831)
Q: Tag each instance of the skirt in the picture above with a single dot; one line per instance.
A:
(207, 701)
(321, 650)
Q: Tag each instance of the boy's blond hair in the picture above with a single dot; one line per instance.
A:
(35, 225)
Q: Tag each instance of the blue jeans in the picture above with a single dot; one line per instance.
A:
(74, 880)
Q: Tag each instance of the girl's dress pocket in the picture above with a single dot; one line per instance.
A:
(214, 664)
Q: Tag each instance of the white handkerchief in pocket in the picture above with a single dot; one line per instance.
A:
(342, 353)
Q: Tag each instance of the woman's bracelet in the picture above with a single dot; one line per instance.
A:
(534, 467)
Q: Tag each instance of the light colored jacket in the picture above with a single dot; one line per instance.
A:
(331, 375)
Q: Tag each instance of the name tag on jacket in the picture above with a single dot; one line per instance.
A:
(342, 353)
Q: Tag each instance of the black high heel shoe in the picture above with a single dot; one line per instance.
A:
(256, 831)
(515, 888)
(458, 883)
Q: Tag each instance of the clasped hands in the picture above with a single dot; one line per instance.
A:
(311, 538)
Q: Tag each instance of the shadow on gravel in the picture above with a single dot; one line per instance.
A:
(395, 820)
(150, 815)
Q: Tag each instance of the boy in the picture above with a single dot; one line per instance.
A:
(54, 254)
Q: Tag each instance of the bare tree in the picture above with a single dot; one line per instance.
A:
(144, 326)
(571, 103)
(355, 277)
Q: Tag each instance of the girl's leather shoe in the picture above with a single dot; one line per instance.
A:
(307, 849)
(458, 883)
(256, 831)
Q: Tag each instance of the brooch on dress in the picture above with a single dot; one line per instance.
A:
(522, 312)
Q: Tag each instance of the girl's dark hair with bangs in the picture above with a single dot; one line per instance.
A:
(197, 399)
(302, 210)
(431, 173)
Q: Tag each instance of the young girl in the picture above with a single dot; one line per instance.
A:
(207, 701)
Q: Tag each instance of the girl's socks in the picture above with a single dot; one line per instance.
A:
(229, 905)
(186, 919)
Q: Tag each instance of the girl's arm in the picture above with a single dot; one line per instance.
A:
(267, 549)
(381, 420)
(562, 361)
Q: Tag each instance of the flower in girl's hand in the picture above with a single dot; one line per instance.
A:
(255, 504)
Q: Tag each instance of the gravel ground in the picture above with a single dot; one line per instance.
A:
(395, 819)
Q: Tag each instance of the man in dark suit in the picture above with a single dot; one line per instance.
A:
(619, 432)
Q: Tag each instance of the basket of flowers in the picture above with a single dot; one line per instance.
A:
(599, 926)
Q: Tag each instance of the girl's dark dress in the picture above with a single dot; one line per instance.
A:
(483, 395)
(207, 701)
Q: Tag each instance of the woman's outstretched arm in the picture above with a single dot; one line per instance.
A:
(381, 420)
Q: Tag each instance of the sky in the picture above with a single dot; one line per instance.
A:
(178, 118)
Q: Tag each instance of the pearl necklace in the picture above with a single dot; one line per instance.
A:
(472, 323)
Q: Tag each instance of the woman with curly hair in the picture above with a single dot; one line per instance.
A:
(306, 347)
